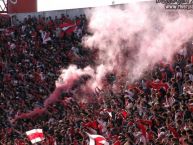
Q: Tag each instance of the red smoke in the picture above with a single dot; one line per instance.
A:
(32, 114)
(131, 41)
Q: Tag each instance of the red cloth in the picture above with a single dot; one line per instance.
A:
(99, 139)
(150, 135)
(142, 128)
(35, 135)
(69, 27)
(124, 114)
(145, 122)
(92, 124)
(159, 85)
(174, 132)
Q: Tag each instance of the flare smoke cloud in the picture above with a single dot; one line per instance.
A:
(131, 40)
(136, 37)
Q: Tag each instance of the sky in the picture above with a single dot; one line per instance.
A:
(46, 5)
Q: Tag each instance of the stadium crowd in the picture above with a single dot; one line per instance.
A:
(155, 110)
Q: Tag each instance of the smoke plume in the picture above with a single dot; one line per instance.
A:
(130, 40)
(136, 37)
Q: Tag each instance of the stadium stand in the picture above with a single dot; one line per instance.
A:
(154, 111)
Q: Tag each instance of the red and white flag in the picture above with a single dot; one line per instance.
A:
(70, 27)
(97, 140)
(35, 135)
